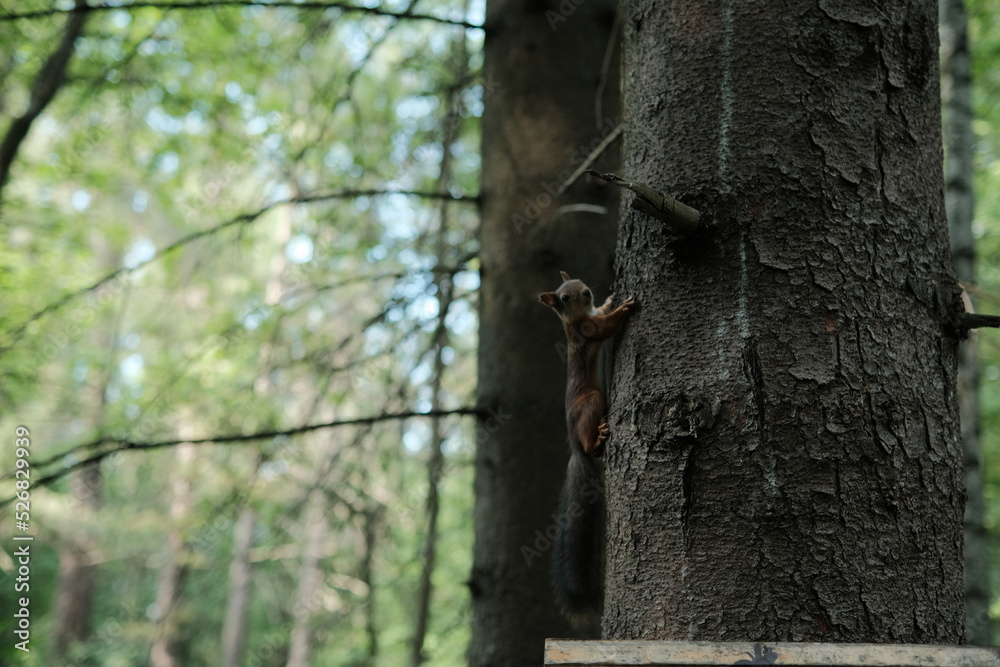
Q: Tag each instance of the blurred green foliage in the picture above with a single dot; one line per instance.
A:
(984, 37)
(176, 122)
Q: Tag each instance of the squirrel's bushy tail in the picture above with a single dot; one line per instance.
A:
(578, 562)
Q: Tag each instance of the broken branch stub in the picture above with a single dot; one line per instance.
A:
(676, 215)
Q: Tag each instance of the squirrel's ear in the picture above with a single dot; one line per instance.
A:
(565, 276)
(548, 298)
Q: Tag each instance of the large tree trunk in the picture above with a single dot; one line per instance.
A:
(956, 79)
(784, 461)
(550, 98)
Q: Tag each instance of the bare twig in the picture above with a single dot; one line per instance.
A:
(679, 217)
(113, 445)
(590, 159)
(609, 51)
(206, 4)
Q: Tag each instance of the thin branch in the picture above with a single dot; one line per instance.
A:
(345, 97)
(47, 83)
(590, 159)
(580, 208)
(123, 272)
(208, 4)
(609, 52)
(123, 444)
(374, 192)
(679, 217)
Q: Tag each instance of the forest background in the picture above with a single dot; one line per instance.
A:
(243, 239)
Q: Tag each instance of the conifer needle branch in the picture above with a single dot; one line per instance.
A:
(206, 4)
(679, 217)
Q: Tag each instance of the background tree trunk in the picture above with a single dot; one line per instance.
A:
(785, 461)
(170, 646)
(234, 628)
(445, 294)
(310, 582)
(77, 575)
(956, 80)
(550, 99)
(370, 524)
(77, 578)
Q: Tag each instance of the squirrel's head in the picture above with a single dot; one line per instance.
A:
(571, 301)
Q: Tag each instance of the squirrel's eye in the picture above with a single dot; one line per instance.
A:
(565, 298)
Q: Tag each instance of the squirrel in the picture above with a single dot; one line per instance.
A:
(578, 563)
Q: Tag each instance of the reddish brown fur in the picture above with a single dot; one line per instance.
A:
(586, 329)
(578, 558)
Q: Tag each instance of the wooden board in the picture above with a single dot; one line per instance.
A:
(575, 653)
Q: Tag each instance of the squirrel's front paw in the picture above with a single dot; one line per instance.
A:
(602, 434)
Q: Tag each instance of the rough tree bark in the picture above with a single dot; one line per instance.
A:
(956, 84)
(785, 461)
(550, 99)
